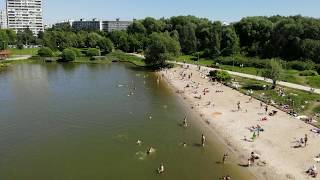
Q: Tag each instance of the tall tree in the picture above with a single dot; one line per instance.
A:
(229, 41)
(161, 48)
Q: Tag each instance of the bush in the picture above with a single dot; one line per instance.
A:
(308, 73)
(20, 46)
(68, 55)
(77, 52)
(301, 65)
(222, 76)
(45, 52)
(93, 52)
(246, 61)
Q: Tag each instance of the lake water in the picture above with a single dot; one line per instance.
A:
(77, 122)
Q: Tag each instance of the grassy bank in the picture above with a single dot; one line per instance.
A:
(302, 102)
(113, 56)
(292, 76)
(26, 51)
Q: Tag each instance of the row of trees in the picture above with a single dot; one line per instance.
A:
(289, 38)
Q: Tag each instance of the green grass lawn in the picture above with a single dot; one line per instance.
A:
(291, 76)
(304, 102)
(26, 51)
(121, 56)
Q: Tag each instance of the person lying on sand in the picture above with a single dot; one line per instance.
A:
(315, 131)
(312, 171)
(273, 113)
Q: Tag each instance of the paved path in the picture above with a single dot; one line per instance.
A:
(282, 83)
(20, 57)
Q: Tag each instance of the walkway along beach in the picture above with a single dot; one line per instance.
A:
(246, 127)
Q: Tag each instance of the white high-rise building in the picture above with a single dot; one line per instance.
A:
(23, 14)
(3, 20)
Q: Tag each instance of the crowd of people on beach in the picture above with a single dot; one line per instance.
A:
(194, 87)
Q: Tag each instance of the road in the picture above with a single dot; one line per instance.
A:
(259, 78)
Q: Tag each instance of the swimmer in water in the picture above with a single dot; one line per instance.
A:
(161, 169)
(185, 123)
(139, 142)
(150, 150)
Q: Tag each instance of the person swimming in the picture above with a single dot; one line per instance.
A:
(151, 150)
(139, 142)
(161, 169)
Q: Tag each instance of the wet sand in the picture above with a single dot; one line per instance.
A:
(275, 145)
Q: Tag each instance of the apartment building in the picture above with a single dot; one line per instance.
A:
(3, 20)
(23, 14)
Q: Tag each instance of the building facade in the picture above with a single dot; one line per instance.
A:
(25, 14)
(95, 25)
(3, 20)
(92, 25)
(117, 25)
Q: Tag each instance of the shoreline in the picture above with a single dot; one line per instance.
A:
(278, 165)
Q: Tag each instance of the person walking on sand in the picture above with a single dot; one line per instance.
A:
(305, 140)
(254, 136)
(203, 140)
(239, 105)
(225, 157)
(266, 109)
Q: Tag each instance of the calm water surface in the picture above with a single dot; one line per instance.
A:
(77, 122)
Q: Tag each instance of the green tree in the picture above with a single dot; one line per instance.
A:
(68, 55)
(45, 52)
(222, 76)
(120, 40)
(188, 39)
(152, 25)
(105, 45)
(229, 41)
(91, 52)
(137, 28)
(3, 40)
(92, 40)
(273, 71)
(161, 48)
(26, 37)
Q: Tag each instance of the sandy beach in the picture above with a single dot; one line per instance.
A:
(276, 144)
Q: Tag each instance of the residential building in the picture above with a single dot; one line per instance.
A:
(63, 24)
(92, 25)
(3, 20)
(25, 14)
(116, 25)
(95, 25)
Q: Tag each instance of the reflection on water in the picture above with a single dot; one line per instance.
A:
(83, 121)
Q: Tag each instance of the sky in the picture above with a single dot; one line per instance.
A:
(223, 10)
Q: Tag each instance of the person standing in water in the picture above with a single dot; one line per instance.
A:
(203, 140)
(185, 124)
(225, 157)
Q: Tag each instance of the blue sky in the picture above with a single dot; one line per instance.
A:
(224, 10)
